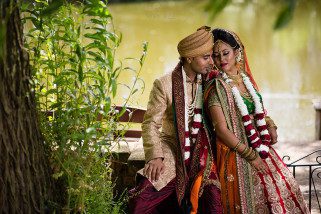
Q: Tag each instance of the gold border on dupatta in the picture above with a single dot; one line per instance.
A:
(235, 124)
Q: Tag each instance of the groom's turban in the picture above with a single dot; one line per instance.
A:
(197, 43)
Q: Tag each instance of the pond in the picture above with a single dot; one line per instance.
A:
(285, 63)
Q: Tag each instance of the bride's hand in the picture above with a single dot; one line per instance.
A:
(273, 134)
(259, 165)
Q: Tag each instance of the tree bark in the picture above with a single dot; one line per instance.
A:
(24, 172)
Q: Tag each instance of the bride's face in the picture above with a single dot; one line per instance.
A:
(224, 57)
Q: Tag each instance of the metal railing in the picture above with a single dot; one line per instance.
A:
(314, 173)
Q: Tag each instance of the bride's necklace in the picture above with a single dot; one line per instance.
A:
(236, 78)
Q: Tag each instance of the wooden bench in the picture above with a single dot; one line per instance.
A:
(128, 153)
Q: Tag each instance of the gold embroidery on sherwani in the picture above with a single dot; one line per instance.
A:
(167, 143)
(159, 115)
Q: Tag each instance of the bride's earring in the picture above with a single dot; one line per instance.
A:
(238, 57)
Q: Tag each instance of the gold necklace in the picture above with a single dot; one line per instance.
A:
(236, 78)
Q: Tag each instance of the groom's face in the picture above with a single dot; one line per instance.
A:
(202, 64)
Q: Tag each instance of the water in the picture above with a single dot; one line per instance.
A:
(285, 64)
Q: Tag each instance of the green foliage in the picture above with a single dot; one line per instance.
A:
(214, 7)
(72, 55)
(284, 17)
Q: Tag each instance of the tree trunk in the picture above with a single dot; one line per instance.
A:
(24, 172)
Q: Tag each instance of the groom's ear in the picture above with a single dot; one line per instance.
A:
(189, 60)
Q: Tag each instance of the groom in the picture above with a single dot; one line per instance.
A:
(180, 173)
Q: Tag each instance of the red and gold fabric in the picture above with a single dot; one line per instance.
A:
(243, 189)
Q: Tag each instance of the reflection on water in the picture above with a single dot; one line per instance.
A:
(285, 64)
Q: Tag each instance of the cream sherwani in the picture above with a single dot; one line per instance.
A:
(158, 129)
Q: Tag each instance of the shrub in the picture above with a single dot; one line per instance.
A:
(72, 54)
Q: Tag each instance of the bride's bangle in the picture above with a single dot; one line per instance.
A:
(270, 123)
(237, 146)
(252, 156)
(248, 153)
(244, 151)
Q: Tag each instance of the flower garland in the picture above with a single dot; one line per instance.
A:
(260, 138)
(197, 116)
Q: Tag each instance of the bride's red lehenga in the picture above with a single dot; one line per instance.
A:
(244, 190)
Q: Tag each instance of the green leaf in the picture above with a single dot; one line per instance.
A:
(78, 31)
(285, 15)
(96, 36)
(78, 52)
(135, 91)
(117, 71)
(72, 59)
(56, 105)
(97, 45)
(88, 130)
(59, 80)
(94, 76)
(52, 8)
(120, 38)
(80, 73)
(97, 57)
(123, 110)
(129, 69)
(112, 36)
(143, 84)
(110, 57)
(214, 7)
(99, 10)
(142, 58)
(51, 91)
(107, 104)
(125, 86)
(114, 86)
(131, 58)
(57, 175)
(97, 21)
(24, 6)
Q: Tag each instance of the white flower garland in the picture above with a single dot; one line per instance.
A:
(197, 117)
(259, 141)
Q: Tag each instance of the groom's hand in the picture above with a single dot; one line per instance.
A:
(154, 168)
